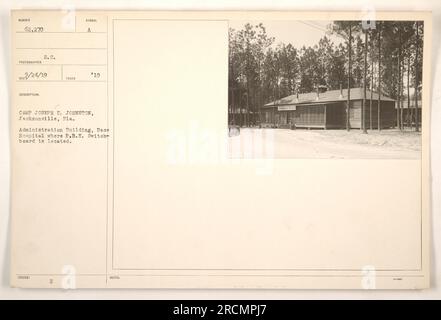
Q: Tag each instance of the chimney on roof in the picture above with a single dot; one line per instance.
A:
(341, 91)
(318, 92)
(297, 96)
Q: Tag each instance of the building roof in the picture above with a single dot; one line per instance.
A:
(327, 96)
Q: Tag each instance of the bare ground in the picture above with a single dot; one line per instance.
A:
(285, 143)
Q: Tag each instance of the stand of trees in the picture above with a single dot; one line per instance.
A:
(387, 58)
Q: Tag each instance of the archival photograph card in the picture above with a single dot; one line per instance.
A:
(211, 149)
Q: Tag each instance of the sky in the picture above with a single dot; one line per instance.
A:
(298, 33)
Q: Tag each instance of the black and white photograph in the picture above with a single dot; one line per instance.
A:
(274, 151)
(325, 89)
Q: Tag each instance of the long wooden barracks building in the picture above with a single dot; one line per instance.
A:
(327, 110)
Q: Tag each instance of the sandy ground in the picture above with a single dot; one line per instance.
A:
(285, 143)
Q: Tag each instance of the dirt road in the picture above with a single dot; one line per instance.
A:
(285, 143)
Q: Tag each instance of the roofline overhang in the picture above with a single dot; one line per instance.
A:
(316, 103)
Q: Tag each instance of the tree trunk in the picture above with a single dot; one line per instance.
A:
(379, 79)
(363, 111)
(398, 96)
(260, 93)
(409, 111)
(416, 79)
(349, 77)
(233, 109)
(231, 73)
(372, 84)
(399, 124)
(274, 112)
(240, 109)
(400, 80)
(248, 106)
(401, 93)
